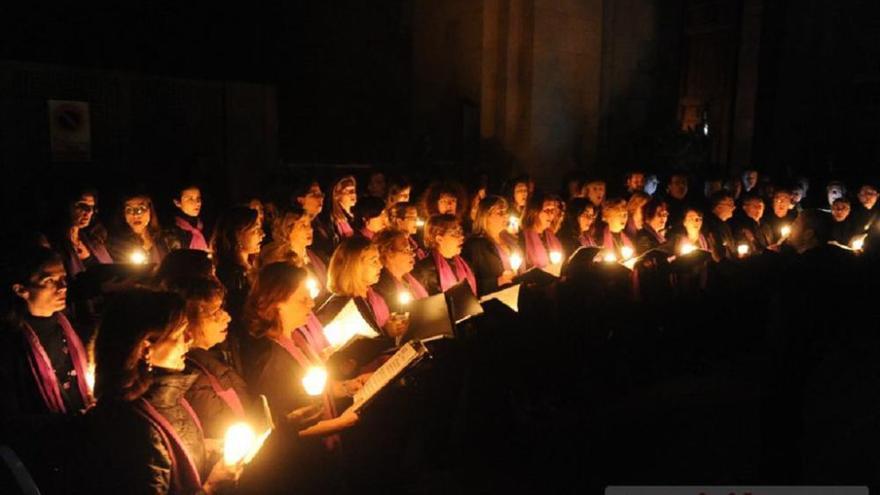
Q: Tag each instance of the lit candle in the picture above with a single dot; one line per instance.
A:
(626, 252)
(312, 285)
(555, 257)
(515, 261)
(239, 443)
(687, 248)
(785, 230)
(420, 223)
(138, 257)
(315, 380)
(609, 257)
(90, 377)
(404, 298)
(858, 244)
(513, 223)
(742, 249)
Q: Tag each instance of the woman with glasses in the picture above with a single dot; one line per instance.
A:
(653, 233)
(404, 216)
(578, 227)
(82, 242)
(537, 234)
(344, 198)
(293, 235)
(444, 267)
(490, 249)
(137, 236)
(398, 259)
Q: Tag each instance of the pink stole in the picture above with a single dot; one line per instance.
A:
(313, 333)
(411, 285)
(448, 278)
(379, 307)
(536, 253)
(185, 476)
(44, 372)
(586, 240)
(229, 396)
(414, 245)
(198, 238)
(369, 234)
(344, 229)
(609, 243)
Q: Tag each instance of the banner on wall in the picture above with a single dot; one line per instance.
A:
(70, 131)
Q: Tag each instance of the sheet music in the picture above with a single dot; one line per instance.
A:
(508, 296)
(401, 359)
(346, 325)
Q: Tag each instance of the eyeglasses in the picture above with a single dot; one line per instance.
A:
(136, 210)
(86, 208)
(455, 232)
(408, 251)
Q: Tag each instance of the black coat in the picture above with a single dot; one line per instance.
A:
(212, 410)
(748, 231)
(482, 256)
(720, 237)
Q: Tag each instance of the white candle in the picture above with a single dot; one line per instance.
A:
(515, 261)
(626, 252)
(858, 244)
(239, 442)
(315, 380)
(785, 230)
(555, 257)
(312, 285)
(742, 249)
(138, 257)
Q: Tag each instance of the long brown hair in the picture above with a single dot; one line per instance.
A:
(275, 283)
(225, 242)
(132, 317)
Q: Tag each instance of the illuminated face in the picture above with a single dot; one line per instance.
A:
(257, 206)
(651, 184)
(46, 291)
(595, 192)
(137, 214)
(402, 196)
(615, 218)
(586, 219)
(549, 212)
(835, 192)
(449, 243)
(82, 211)
(521, 194)
(635, 182)
(313, 201)
(371, 266)
(249, 240)
(724, 209)
(169, 353)
(781, 204)
(212, 324)
(409, 223)
(750, 179)
(302, 233)
(497, 219)
(693, 222)
(190, 201)
(868, 196)
(348, 198)
(840, 210)
(447, 204)
(678, 187)
(401, 259)
(754, 209)
(294, 311)
(658, 223)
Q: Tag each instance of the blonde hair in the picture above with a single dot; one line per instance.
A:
(484, 209)
(336, 212)
(345, 268)
(438, 225)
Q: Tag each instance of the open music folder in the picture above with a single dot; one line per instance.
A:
(406, 356)
(508, 296)
(428, 319)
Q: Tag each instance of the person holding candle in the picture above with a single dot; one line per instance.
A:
(144, 435)
(354, 268)
(748, 228)
(278, 312)
(781, 215)
(488, 250)
(293, 235)
(444, 267)
(537, 234)
(690, 236)
(344, 198)
(188, 230)
(578, 228)
(82, 242)
(137, 233)
(404, 217)
(652, 235)
(718, 231)
(398, 260)
(612, 233)
(370, 217)
(865, 213)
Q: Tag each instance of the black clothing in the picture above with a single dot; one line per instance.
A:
(648, 239)
(212, 410)
(676, 208)
(324, 240)
(755, 235)
(720, 237)
(122, 244)
(482, 256)
(774, 224)
(388, 288)
(176, 238)
(426, 273)
(273, 372)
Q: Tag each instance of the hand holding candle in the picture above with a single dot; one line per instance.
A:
(312, 285)
(626, 252)
(785, 230)
(239, 444)
(315, 380)
(555, 257)
(138, 257)
(516, 261)
(858, 244)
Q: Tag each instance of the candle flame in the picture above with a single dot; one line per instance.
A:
(138, 257)
(742, 249)
(312, 285)
(315, 380)
(404, 298)
(90, 377)
(687, 248)
(515, 261)
(626, 252)
(239, 443)
(785, 230)
(420, 223)
(609, 257)
(513, 223)
(858, 244)
(555, 257)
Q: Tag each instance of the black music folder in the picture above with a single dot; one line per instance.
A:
(428, 319)
(463, 304)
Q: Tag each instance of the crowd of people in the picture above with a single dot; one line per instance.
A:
(131, 346)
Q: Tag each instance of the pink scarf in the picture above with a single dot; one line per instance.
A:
(411, 285)
(448, 278)
(229, 396)
(44, 372)
(379, 307)
(586, 239)
(313, 333)
(609, 243)
(344, 229)
(184, 472)
(414, 245)
(369, 234)
(536, 254)
(198, 238)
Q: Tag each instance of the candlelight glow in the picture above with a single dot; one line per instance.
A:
(785, 230)
(513, 223)
(315, 380)
(626, 252)
(420, 223)
(609, 257)
(742, 249)
(687, 248)
(404, 298)
(515, 261)
(312, 285)
(555, 257)
(90, 377)
(138, 257)
(239, 443)
(858, 244)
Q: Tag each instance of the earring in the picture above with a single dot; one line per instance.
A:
(147, 361)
